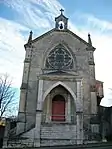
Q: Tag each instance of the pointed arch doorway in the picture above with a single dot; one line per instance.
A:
(58, 108)
(59, 104)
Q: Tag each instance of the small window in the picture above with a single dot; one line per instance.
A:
(61, 25)
(58, 108)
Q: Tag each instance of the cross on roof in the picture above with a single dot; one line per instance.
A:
(61, 11)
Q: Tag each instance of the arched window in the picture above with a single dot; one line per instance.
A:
(59, 58)
(58, 108)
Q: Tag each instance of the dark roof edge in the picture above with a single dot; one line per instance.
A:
(41, 36)
(60, 16)
(85, 42)
(99, 81)
(67, 30)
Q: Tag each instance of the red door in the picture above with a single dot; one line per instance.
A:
(58, 108)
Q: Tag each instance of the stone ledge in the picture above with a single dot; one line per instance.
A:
(100, 145)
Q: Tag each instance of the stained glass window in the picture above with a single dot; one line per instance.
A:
(59, 58)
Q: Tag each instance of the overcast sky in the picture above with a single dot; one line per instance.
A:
(18, 17)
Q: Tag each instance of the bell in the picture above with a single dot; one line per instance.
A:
(61, 26)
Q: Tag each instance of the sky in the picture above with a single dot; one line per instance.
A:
(19, 17)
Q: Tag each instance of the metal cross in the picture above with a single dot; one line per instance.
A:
(61, 11)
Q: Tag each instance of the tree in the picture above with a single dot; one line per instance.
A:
(7, 94)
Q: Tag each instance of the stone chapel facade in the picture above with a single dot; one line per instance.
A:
(59, 93)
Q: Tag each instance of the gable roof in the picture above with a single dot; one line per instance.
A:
(60, 16)
(56, 30)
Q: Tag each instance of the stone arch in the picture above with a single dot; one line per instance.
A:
(76, 102)
(65, 46)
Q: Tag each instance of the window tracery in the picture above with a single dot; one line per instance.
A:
(59, 58)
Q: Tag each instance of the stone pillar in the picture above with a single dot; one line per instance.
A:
(79, 96)
(78, 90)
(40, 95)
(21, 114)
(22, 101)
(48, 114)
(79, 128)
(93, 100)
(79, 114)
(37, 132)
(23, 93)
(26, 72)
(93, 103)
(68, 107)
(24, 87)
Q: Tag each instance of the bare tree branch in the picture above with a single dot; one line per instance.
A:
(7, 94)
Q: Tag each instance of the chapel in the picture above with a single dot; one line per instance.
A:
(60, 96)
